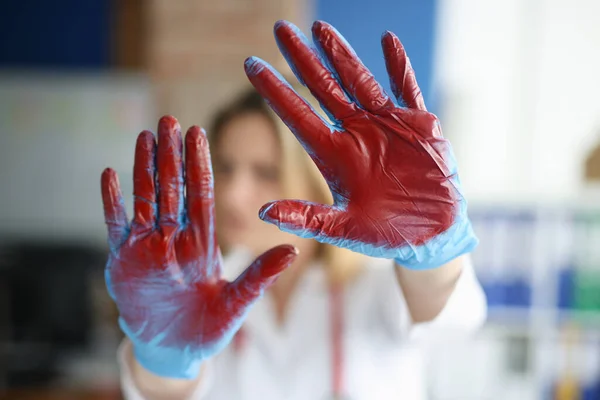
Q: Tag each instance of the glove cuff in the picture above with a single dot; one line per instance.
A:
(456, 241)
(168, 363)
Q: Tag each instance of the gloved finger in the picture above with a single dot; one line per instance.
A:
(301, 218)
(203, 259)
(356, 78)
(310, 71)
(402, 76)
(200, 187)
(144, 188)
(251, 284)
(315, 135)
(170, 172)
(115, 215)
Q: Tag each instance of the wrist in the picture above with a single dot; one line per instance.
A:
(442, 249)
(155, 387)
(168, 362)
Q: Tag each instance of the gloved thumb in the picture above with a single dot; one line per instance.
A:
(301, 218)
(251, 283)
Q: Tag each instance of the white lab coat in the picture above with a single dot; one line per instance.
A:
(383, 352)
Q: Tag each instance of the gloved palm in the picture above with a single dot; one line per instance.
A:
(392, 174)
(164, 269)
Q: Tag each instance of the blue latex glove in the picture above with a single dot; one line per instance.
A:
(392, 174)
(164, 269)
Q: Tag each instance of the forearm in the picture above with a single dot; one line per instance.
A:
(154, 387)
(427, 291)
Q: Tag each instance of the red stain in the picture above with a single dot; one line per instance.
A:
(390, 169)
(164, 271)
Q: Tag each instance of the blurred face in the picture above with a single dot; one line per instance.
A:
(247, 175)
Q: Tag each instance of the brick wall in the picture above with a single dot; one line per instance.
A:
(196, 49)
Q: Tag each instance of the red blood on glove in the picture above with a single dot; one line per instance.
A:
(164, 269)
(391, 172)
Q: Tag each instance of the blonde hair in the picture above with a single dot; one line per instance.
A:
(342, 265)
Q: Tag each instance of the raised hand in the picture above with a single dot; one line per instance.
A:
(391, 172)
(164, 269)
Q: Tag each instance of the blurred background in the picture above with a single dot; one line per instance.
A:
(515, 84)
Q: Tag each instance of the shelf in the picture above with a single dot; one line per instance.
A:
(538, 318)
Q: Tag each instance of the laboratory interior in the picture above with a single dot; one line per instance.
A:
(515, 85)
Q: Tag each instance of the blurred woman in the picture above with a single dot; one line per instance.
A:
(338, 323)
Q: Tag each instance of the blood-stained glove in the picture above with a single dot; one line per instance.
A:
(392, 174)
(164, 269)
